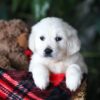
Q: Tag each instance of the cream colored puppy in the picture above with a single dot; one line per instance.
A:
(56, 49)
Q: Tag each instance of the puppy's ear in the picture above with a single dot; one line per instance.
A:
(31, 42)
(73, 43)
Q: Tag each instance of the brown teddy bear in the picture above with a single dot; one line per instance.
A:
(13, 43)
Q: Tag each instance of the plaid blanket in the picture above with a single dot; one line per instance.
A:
(16, 85)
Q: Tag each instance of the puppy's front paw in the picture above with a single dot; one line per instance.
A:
(41, 82)
(74, 77)
(73, 82)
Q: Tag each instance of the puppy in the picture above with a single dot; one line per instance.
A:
(56, 49)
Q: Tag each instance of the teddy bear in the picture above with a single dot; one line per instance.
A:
(13, 43)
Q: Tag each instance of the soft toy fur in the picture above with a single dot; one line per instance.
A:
(56, 49)
(13, 42)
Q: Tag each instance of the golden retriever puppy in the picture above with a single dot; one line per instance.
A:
(56, 49)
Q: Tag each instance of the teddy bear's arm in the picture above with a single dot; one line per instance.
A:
(18, 60)
(4, 62)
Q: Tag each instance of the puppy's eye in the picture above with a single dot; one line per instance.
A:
(42, 38)
(58, 38)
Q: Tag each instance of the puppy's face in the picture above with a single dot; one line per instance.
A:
(50, 44)
(52, 38)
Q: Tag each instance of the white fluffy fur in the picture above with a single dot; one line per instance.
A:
(65, 57)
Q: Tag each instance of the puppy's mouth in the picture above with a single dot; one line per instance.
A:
(48, 55)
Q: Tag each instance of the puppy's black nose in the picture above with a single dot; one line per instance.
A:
(48, 51)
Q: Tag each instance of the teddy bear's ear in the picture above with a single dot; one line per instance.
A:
(31, 42)
(73, 43)
(22, 40)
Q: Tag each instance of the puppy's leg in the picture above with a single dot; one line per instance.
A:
(73, 77)
(40, 75)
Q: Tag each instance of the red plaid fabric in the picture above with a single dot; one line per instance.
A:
(16, 85)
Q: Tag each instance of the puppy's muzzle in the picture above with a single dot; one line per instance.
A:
(48, 52)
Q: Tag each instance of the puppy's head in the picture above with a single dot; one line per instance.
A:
(53, 38)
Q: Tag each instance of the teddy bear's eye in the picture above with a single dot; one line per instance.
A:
(58, 38)
(42, 38)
